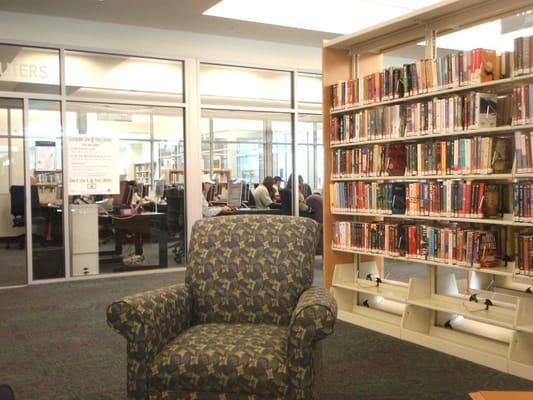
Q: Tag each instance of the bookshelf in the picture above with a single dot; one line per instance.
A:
(143, 172)
(428, 309)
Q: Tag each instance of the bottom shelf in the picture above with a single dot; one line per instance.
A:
(476, 349)
(375, 320)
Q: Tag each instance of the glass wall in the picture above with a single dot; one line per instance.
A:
(310, 149)
(109, 76)
(109, 141)
(135, 220)
(13, 268)
(247, 146)
(250, 87)
(29, 69)
(45, 140)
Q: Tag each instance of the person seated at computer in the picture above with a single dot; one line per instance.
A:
(305, 188)
(315, 202)
(277, 188)
(207, 211)
(264, 194)
(286, 196)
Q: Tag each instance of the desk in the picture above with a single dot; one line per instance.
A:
(53, 215)
(151, 223)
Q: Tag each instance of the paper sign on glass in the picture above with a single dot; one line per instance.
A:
(93, 165)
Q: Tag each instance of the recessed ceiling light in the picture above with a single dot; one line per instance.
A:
(335, 16)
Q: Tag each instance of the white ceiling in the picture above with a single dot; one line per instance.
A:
(182, 15)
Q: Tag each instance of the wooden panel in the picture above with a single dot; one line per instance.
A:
(370, 63)
(336, 66)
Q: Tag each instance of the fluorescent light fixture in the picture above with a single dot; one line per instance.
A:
(335, 16)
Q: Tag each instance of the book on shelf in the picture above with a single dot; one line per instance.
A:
(524, 152)
(524, 252)
(522, 198)
(523, 104)
(454, 245)
(449, 198)
(473, 155)
(523, 55)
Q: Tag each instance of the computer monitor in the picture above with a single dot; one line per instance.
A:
(235, 194)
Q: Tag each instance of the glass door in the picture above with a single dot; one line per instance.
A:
(45, 153)
(13, 264)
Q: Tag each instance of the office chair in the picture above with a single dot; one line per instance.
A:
(18, 209)
(251, 200)
(176, 221)
(16, 194)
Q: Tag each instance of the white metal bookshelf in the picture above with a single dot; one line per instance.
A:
(498, 335)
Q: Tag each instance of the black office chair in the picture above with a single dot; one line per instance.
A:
(251, 200)
(16, 194)
(286, 201)
(18, 209)
(176, 221)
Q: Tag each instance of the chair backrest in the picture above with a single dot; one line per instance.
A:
(251, 199)
(286, 200)
(250, 268)
(16, 193)
(175, 209)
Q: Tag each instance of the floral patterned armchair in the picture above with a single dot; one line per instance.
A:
(247, 323)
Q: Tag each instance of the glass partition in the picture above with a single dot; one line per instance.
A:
(29, 69)
(251, 87)
(130, 213)
(123, 77)
(310, 150)
(46, 177)
(309, 93)
(13, 270)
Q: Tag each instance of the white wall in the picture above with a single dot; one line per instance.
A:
(166, 43)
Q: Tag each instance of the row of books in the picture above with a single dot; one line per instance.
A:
(469, 111)
(522, 198)
(524, 252)
(476, 155)
(422, 76)
(461, 199)
(428, 75)
(523, 55)
(524, 152)
(385, 198)
(522, 105)
(452, 245)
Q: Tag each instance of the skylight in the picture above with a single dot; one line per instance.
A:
(334, 16)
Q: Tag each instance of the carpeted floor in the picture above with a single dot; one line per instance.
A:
(55, 344)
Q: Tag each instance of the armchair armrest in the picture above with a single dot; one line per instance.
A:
(149, 321)
(155, 317)
(313, 319)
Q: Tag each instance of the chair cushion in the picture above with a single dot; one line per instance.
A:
(224, 358)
